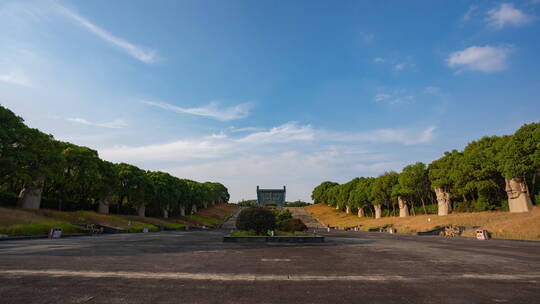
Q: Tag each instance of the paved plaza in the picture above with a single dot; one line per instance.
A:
(197, 267)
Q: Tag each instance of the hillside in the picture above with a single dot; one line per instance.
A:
(21, 222)
(524, 226)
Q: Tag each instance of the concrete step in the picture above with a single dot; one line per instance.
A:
(306, 217)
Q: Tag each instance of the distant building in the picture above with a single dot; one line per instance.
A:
(271, 196)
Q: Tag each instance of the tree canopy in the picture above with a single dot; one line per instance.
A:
(73, 177)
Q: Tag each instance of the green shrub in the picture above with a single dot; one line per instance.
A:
(282, 216)
(292, 225)
(298, 204)
(481, 205)
(256, 218)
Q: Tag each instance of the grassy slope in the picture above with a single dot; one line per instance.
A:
(525, 226)
(16, 222)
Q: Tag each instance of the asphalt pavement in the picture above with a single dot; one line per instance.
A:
(197, 267)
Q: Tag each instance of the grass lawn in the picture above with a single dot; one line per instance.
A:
(524, 226)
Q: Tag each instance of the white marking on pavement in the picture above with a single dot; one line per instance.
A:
(275, 260)
(254, 277)
(199, 276)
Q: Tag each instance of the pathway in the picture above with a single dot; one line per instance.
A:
(231, 222)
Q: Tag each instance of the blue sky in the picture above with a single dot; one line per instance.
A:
(271, 93)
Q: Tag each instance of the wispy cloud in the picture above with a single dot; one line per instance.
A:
(432, 90)
(406, 136)
(481, 58)
(507, 15)
(211, 110)
(246, 129)
(366, 38)
(468, 14)
(378, 59)
(15, 78)
(140, 53)
(394, 97)
(288, 132)
(399, 67)
(115, 124)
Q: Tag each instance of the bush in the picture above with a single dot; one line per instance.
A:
(282, 216)
(298, 204)
(256, 218)
(292, 225)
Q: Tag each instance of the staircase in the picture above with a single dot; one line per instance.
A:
(306, 217)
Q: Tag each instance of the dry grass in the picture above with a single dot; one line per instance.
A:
(10, 217)
(524, 226)
(220, 211)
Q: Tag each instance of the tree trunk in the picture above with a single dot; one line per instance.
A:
(141, 208)
(347, 209)
(193, 209)
(337, 207)
(519, 199)
(423, 205)
(444, 205)
(103, 205)
(30, 195)
(165, 213)
(205, 205)
(377, 210)
(403, 208)
(361, 212)
(183, 210)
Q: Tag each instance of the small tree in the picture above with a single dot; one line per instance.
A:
(256, 218)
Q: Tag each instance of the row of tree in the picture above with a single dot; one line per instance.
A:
(491, 173)
(34, 165)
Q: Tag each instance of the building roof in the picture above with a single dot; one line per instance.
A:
(271, 190)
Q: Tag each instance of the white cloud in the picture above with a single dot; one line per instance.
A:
(288, 132)
(15, 78)
(211, 110)
(367, 38)
(481, 58)
(405, 136)
(144, 55)
(468, 14)
(382, 97)
(115, 124)
(180, 150)
(245, 129)
(399, 67)
(432, 90)
(394, 97)
(507, 15)
(378, 59)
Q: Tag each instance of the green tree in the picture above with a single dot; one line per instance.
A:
(381, 192)
(135, 187)
(414, 185)
(108, 184)
(320, 193)
(360, 197)
(37, 161)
